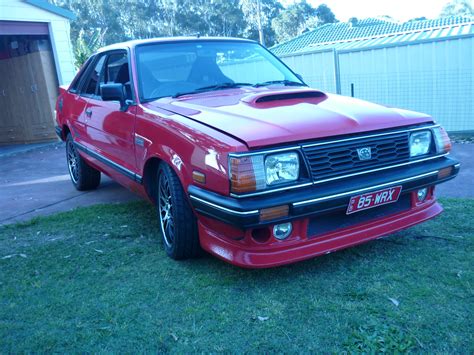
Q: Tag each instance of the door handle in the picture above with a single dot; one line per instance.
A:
(88, 112)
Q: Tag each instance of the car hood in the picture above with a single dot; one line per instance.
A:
(262, 117)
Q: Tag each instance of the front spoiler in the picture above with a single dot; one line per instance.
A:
(323, 198)
(309, 248)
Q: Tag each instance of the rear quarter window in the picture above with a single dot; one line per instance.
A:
(79, 78)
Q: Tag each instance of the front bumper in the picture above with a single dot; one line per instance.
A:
(320, 199)
(301, 248)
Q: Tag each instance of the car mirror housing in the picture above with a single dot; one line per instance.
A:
(114, 92)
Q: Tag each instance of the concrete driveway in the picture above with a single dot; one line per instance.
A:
(36, 182)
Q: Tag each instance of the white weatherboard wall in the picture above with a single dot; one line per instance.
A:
(59, 30)
(434, 77)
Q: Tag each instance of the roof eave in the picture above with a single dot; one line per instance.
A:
(44, 5)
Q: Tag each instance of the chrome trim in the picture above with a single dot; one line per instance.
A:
(339, 177)
(142, 137)
(369, 136)
(457, 165)
(348, 193)
(223, 208)
(380, 169)
(270, 151)
(301, 146)
(130, 174)
(270, 191)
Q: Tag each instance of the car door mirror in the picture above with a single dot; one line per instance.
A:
(114, 92)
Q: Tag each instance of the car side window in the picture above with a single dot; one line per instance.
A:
(92, 88)
(79, 78)
(117, 72)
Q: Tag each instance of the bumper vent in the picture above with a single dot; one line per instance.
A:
(342, 158)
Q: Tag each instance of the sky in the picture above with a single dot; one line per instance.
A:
(401, 10)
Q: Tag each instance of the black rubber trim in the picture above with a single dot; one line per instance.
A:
(130, 174)
(233, 211)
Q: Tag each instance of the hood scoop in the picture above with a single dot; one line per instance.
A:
(305, 95)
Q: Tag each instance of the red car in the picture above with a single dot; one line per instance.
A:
(241, 158)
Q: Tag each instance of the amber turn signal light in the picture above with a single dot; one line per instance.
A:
(199, 177)
(269, 214)
(443, 173)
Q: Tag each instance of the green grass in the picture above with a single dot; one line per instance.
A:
(97, 279)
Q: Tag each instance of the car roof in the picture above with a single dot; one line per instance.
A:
(134, 43)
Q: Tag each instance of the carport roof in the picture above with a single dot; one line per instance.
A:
(42, 4)
(372, 32)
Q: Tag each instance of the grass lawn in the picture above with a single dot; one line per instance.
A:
(97, 279)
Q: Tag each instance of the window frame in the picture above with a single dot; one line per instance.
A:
(197, 40)
(94, 59)
(76, 84)
(85, 82)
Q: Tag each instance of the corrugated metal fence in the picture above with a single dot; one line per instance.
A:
(430, 75)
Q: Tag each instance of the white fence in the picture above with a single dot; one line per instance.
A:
(434, 77)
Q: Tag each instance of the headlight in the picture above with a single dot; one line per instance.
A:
(420, 143)
(281, 168)
(258, 172)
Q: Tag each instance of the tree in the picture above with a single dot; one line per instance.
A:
(300, 16)
(457, 8)
(86, 45)
(325, 15)
(121, 20)
(269, 9)
(210, 17)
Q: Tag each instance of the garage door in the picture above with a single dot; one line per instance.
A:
(28, 88)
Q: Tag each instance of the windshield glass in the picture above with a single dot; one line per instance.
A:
(173, 69)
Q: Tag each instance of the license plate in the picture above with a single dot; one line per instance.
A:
(373, 199)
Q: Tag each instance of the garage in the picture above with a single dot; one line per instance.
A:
(35, 58)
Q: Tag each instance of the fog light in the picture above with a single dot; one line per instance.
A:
(282, 231)
(421, 194)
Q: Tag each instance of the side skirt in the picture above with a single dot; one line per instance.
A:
(128, 173)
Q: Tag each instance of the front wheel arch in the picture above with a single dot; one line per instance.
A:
(149, 174)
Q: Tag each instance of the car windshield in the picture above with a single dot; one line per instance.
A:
(180, 68)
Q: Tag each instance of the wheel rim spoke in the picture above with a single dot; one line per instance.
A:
(72, 161)
(165, 209)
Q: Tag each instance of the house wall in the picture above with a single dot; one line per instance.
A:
(434, 77)
(59, 29)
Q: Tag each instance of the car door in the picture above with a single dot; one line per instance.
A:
(87, 90)
(110, 130)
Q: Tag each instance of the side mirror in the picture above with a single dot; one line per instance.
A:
(114, 92)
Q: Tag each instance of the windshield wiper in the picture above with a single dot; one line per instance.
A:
(220, 86)
(284, 82)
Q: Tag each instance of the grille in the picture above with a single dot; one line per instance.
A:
(337, 220)
(341, 158)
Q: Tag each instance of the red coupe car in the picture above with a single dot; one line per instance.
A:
(241, 157)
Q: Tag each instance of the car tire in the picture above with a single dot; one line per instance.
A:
(178, 223)
(83, 176)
